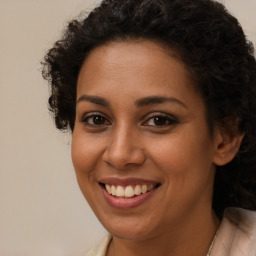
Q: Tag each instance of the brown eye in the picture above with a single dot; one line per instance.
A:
(98, 120)
(160, 120)
(95, 120)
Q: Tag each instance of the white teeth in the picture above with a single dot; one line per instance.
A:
(137, 190)
(113, 190)
(144, 189)
(108, 188)
(150, 187)
(128, 191)
(119, 191)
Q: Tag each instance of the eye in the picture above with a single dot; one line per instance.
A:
(95, 120)
(160, 120)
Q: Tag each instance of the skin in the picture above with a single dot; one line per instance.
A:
(180, 153)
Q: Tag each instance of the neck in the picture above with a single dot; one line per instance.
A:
(183, 238)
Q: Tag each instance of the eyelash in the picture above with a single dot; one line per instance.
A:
(85, 119)
(156, 117)
(169, 120)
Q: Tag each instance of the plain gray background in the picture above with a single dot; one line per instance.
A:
(42, 211)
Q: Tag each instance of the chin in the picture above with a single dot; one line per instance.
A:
(129, 228)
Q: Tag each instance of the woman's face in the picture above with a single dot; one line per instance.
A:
(141, 133)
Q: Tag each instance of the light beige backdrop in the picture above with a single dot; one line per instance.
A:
(42, 211)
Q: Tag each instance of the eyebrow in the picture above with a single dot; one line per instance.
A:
(150, 100)
(94, 99)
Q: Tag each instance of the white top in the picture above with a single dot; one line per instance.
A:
(236, 235)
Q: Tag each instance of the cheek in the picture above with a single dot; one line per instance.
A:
(85, 153)
(185, 162)
(183, 154)
(172, 150)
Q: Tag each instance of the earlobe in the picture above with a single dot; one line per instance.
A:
(226, 146)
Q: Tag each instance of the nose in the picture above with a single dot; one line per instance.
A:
(124, 150)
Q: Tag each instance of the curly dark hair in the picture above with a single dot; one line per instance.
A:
(211, 43)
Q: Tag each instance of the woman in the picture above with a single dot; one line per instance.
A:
(160, 97)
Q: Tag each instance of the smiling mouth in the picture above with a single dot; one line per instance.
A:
(128, 191)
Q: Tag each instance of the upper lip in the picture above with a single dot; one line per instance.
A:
(127, 181)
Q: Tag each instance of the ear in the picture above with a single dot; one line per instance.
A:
(227, 144)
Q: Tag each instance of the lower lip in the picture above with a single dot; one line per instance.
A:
(126, 203)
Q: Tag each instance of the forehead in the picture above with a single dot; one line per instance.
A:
(126, 61)
(127, 71)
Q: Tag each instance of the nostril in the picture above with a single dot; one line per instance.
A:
(121, 158)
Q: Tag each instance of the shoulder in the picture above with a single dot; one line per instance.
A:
(101, 248)
(237, 234)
